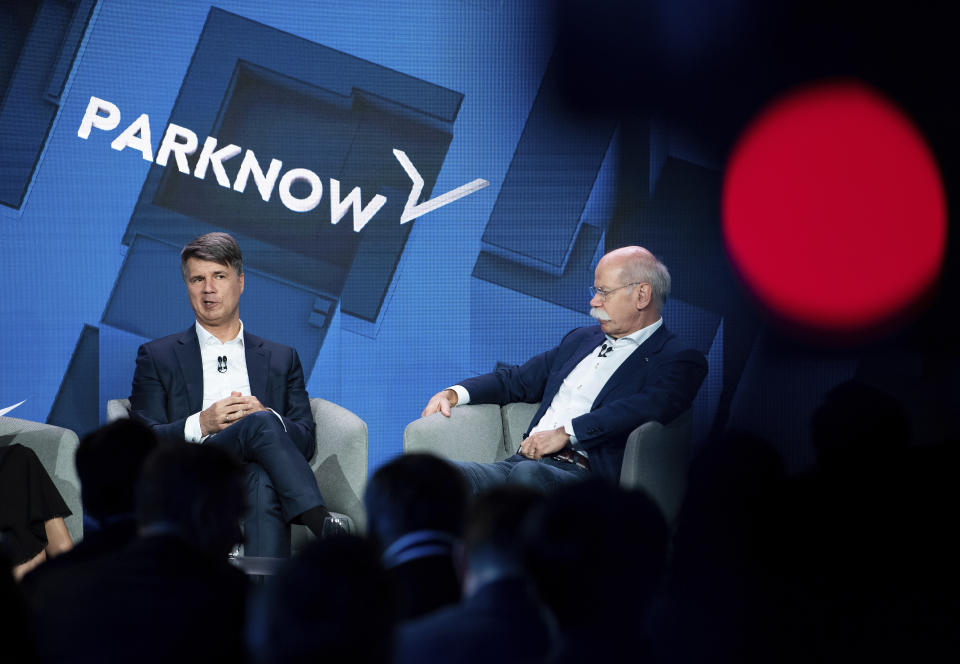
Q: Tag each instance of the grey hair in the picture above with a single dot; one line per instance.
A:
(647, 269)
(214, 247)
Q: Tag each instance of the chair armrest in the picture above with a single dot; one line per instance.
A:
(656, 460)
(56, 448)
(471, 433)
(340, 462)
(516, 420)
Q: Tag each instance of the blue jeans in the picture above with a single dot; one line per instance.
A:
(546, 474)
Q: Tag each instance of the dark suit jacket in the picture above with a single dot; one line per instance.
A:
(168, 384)
(658, 382)
(423, 585)
(502, 623)
(159, 600)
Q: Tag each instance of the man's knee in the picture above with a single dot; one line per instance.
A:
(529, 473)
(260, 426)
(263, 420)
(482, 476)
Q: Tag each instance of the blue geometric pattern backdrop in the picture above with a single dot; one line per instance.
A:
(383, 317)
(287, 125)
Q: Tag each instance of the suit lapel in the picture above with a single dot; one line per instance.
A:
(590, 341)
(637, 362)
(258, 363)
(587, 344)
(191, 366)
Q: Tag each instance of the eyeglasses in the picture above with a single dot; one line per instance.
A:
(604, 294)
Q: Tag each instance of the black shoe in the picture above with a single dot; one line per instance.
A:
(333, 527)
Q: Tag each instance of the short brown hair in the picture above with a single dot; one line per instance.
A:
(214, 247)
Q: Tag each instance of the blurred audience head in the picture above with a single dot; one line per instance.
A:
(415, 492)
(730, 470)
(493, 535)
(331, 604)
(195, 491)
(108, 462)
(857, 423)
(597, 553)
(731, 510)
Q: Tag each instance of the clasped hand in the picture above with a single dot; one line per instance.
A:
(542, 443)
(228, 410)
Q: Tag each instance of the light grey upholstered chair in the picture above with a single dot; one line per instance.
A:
(56, 448)
(339, 464)
(656, 456)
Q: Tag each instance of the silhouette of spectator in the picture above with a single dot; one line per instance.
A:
(858, 428)
(16, 644)
(328, 604)
(847, 562)
(171, 595)
(924, 620)
(108, 464)
(730, 484)
(861, 435)
(598, 555)
(727, 557)
(872, 528)
(500, 618)
(415, 506)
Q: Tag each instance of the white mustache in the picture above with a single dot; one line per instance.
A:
(599, 314)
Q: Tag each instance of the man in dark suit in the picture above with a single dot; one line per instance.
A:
(219, 385)
(596, 387)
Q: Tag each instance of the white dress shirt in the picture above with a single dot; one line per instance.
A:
(582, 385)
(216, 384)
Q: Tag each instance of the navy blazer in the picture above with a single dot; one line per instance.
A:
(658, 382)
(168, 384)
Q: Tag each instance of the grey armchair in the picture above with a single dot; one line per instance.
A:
(56, 448)
(656, 456)
(339, 464)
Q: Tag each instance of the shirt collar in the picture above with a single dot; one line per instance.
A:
(207, 339)
(640, 335)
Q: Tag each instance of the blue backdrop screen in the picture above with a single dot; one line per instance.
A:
(281, 123)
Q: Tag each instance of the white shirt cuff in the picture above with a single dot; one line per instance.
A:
(191, 429)
(278, 417)
(463, 397)
(568, 427)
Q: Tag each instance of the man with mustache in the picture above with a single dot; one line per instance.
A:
(595, 387)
